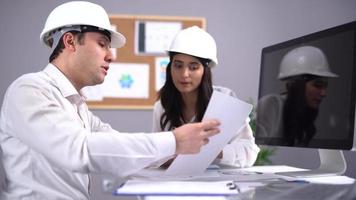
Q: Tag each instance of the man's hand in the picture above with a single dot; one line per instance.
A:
(191, 137)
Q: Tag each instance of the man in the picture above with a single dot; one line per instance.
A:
(51, 142)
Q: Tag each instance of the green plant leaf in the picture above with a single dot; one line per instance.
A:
(263, 157)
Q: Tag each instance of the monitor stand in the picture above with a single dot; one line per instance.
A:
(332, 162)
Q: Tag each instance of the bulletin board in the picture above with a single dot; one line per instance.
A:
(129, 54)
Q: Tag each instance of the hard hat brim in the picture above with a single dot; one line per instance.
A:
(212, 63)
(321, 74)
(118, 40)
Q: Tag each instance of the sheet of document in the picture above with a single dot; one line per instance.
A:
(158, 174)
(180, 197)
(232, 114)
(143, 187)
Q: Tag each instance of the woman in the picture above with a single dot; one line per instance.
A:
(187, 91)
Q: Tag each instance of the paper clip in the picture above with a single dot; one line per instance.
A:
(233, 186)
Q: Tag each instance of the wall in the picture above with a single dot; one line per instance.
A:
(241, 29)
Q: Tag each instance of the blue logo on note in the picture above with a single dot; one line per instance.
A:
(126, 81)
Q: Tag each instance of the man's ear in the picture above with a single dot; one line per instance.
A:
(69, 40)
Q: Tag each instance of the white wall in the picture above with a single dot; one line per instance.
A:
(241, 28)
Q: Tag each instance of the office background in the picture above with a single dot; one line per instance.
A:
(241, 29)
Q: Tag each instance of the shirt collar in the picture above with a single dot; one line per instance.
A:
(63, 84)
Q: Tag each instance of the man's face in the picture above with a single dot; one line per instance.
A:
(92, 59)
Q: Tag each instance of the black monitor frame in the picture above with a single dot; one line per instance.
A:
(347, 142)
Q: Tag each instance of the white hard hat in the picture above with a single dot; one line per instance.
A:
(305, 60)
(196, 42)
(76, 13)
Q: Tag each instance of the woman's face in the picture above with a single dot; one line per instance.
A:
(315, 91)
(187, 72)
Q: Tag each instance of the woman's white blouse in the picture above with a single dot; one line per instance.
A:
(241, 151)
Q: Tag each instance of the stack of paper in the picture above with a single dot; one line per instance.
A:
(146, 187)
(185, 198)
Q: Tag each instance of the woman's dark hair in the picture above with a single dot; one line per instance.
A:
(298, 117)
(172, 101)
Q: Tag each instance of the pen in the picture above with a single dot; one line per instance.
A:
(239, 172)
(298, 181)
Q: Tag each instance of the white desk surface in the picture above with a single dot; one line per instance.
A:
(250, 177)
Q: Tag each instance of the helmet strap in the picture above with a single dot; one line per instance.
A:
(57, 34)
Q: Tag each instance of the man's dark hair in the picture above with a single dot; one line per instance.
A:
(59, 48)
(79, 34)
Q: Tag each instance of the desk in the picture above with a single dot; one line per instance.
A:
(273, 185)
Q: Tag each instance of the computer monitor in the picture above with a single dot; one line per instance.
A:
(306, 97)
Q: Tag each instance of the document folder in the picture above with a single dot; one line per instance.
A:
(192, 188)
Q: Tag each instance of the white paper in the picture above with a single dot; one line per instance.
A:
(158, 174)
(158, 36)
(127, 80)
(142, 187)
(232, 114)
(93, 93)
(185, 197)
(160, 68)
(124, 80)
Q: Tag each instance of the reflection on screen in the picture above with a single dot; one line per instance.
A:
(307, 92)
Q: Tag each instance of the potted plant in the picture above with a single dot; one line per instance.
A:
(263, 157)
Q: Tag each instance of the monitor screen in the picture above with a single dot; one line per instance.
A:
(307, 91)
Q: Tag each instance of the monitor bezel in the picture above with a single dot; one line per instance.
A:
(342, 144)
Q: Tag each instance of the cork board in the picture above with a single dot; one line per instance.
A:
(127, 25)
